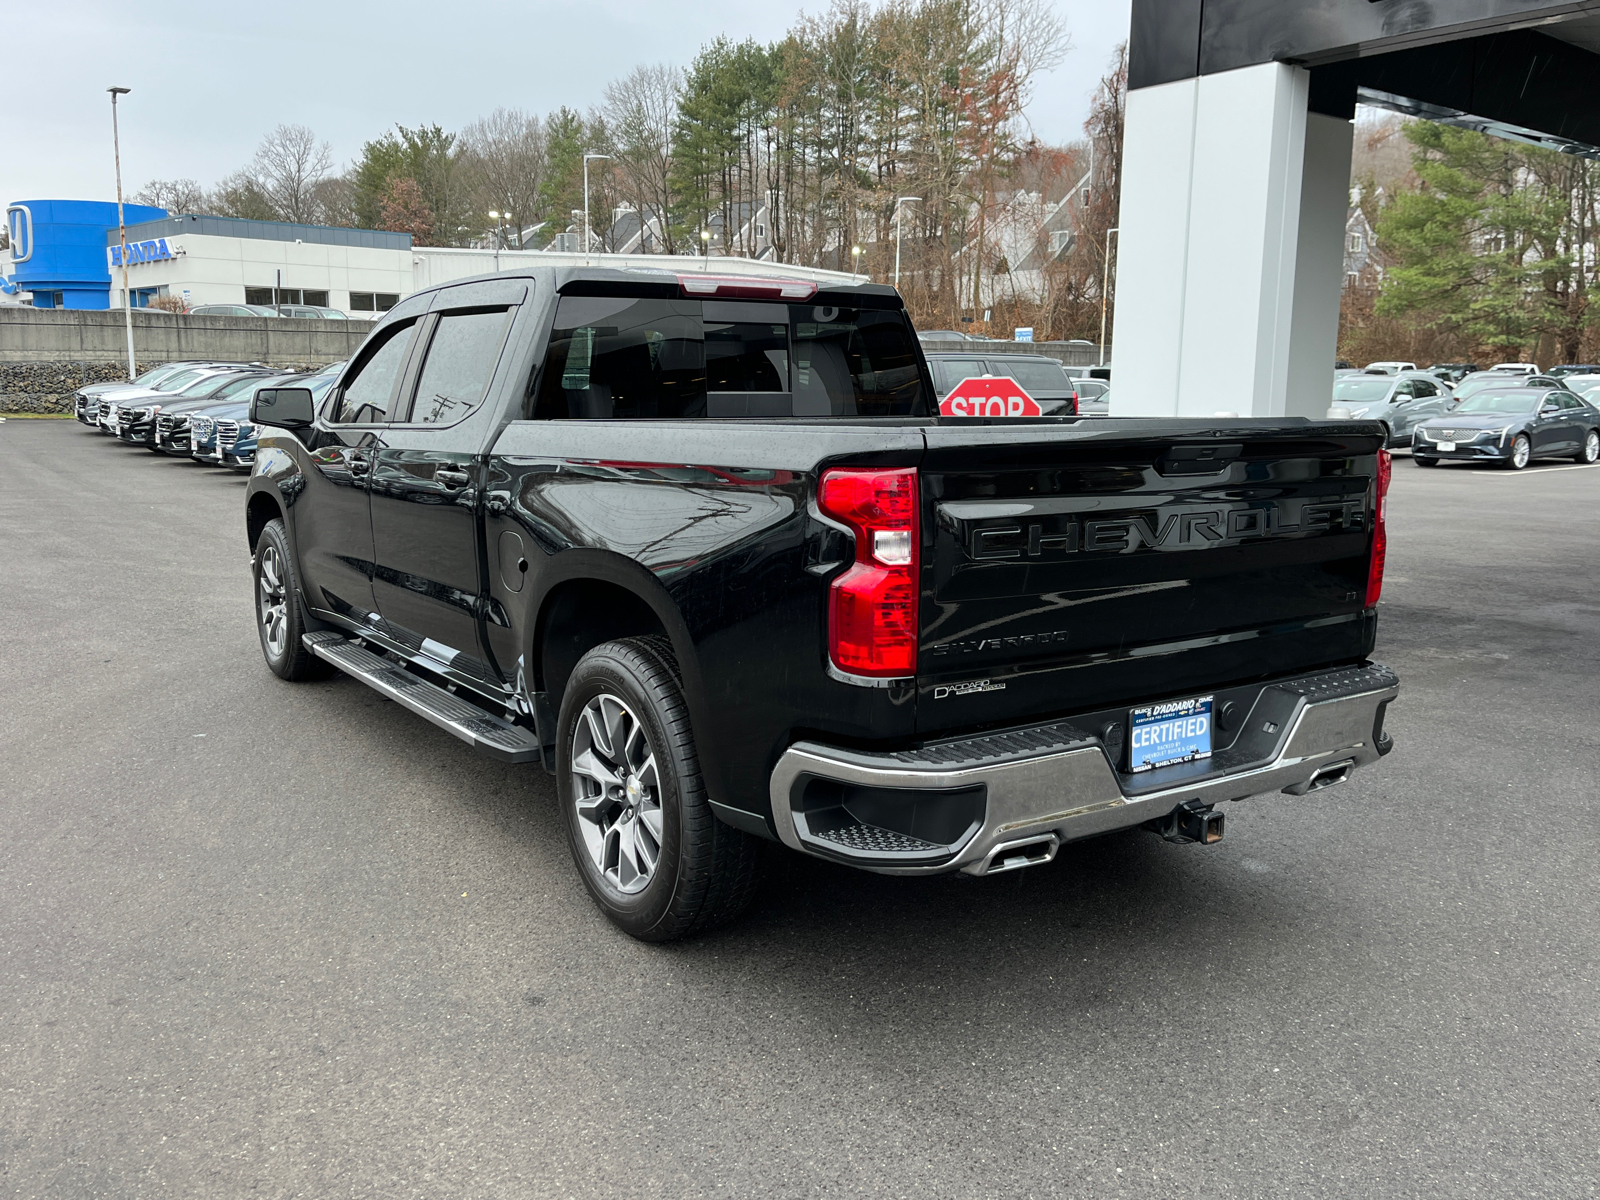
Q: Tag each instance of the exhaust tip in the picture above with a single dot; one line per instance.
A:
(1323, 777)
(1013, 856)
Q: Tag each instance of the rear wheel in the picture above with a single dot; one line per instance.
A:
(641, 830)
(1590, 451)
(280, 611)
(1521, 453)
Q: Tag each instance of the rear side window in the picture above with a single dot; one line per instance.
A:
(461, 359)
(951, 371)
(626, 358)
(1034, 376)
(370, 388)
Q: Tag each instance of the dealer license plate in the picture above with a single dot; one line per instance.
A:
(1173, 731)
(1447, 447)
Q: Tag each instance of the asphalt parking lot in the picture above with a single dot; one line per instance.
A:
(291, 941)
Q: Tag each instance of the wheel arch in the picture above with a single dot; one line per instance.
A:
(260, 508)
(590, 597)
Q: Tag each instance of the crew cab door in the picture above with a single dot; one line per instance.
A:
(426, 483)
(332, 521)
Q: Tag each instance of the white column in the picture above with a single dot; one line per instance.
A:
(1222, 284)
(1319, 264)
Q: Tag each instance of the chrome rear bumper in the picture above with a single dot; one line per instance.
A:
(1058, 782)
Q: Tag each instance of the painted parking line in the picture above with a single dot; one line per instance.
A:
(1490, 471)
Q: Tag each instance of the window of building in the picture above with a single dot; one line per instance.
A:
(1355, 243)
(1351, 279)
(273, 296)
(461, 359)
(761, 230)
(373, 301)
(1494, 244)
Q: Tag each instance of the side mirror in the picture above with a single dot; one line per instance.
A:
(286, 408)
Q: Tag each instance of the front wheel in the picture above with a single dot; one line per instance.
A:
(280, 612)
(653, 856)
(1424, 462)
(1590, 451)
(1521, 453)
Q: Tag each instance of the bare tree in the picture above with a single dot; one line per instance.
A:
(174, 195)
(505, 159)
(288, 166)
(640, 109)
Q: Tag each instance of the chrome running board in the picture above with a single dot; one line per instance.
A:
(479, 728)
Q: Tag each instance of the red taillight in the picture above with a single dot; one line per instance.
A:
(1380, 530)
(872, 607)
(747, 287)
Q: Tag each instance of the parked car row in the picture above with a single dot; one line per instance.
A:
(1504, 415)
(314, 312)
(196, 410)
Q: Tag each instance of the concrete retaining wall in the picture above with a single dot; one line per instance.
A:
(45, 354)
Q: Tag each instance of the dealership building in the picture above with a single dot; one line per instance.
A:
(221, 260)
(68, 254)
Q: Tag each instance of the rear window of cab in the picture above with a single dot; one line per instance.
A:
(654, 358)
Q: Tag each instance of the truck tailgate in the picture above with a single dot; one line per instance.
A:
(1068, 568)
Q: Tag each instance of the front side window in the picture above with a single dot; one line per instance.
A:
(369, 390)
(628, 357)
(461, 359)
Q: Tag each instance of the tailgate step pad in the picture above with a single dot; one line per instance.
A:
(476, 726)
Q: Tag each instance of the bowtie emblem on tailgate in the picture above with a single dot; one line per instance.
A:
(1058, 535)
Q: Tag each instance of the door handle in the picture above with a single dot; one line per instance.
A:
(358, 463)
(452, 479)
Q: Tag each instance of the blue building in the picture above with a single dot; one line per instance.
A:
(58, 249)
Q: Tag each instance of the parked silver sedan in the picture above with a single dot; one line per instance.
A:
(1400, 401)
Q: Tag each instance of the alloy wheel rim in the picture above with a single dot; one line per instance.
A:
(272, 602)
(1520, 452)
(616, 790)
(1591, 447)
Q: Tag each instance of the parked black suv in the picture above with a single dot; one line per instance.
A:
(701, 547)
(1042, 377)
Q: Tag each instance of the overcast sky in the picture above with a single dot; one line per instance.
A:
(210, 79)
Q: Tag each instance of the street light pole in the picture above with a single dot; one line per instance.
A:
(855, 260)
(497, 238)
(1105, 286)
(899, 217)
(587, 233)
(122, 228)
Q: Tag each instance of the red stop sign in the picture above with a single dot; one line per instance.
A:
(991, 396)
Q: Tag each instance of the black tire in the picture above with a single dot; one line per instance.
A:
(1424, 462)
(1520, 455)
(280, 625)
(705, 871)
(1589, 452)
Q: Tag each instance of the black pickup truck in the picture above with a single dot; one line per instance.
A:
(702, 546)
